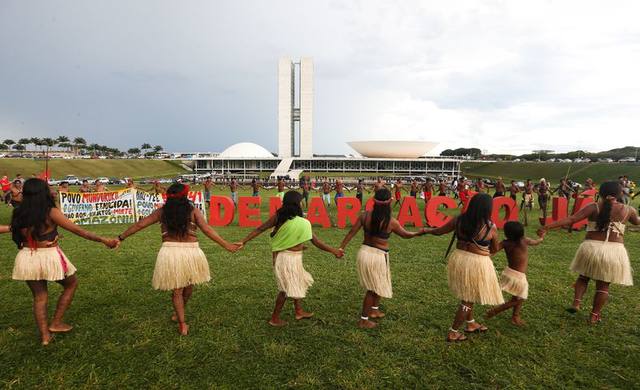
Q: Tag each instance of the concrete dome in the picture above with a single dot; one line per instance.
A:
(245, 150)
(392, 148)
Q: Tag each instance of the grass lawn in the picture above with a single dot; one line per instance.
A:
(599, 172)
(91, 168)
(123, 336)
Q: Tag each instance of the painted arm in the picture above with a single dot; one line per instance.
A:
(59, 219)
(633, 217)
(534, 241)
(145, 222)
(494, 247)
(321, 245)
(354, 229)
(212, 234)
(570, 220)
(400, 231)
(271, 222)
(444, 229)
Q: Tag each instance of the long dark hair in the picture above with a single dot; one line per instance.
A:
(290, 209)
(609, 192)
(478, 214)
(381, 213)
(176, 212)
(33, 212)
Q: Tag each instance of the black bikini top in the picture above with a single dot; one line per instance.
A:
(483, 242)
(382, 235)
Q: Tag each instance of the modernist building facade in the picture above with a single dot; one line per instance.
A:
(295, 143)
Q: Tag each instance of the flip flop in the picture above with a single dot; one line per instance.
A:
(480, 329)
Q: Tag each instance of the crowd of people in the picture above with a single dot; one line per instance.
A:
(471, 275)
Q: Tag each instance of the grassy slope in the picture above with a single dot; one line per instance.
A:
(123, 336)
(551, 171)
(92, 168)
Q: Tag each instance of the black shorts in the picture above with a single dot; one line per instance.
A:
(513, 196)
(497, 194)
(413, 193)
(542, 200)
(359, 196)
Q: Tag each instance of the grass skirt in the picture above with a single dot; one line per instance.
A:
(515, 283)
(180, 264)
(290, 275)
(605, 261)
(373, 271)
(42, 264)
(472, 278)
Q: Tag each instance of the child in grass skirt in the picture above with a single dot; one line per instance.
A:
(180, 264)
(290, 232)
(514, 279)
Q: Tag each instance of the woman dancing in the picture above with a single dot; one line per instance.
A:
(602, 256)
(470, 272)
(290, 232)
(34, 228)
(180, 263)
(373, 257)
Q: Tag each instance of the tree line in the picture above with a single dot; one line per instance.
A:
(79, 146)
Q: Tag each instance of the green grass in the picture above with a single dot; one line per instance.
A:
(599, 172)
(123, 336)
(91, 168)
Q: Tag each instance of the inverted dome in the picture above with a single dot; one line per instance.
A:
(245, 150)
(392, 149)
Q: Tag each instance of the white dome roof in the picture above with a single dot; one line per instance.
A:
(245, 150)
(392, 148)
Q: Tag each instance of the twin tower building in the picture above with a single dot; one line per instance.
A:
(295, 108)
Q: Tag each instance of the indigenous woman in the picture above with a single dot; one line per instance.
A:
(543, 196)
(471, 275)
(373, 257)
(290, 232)
(180, 264)
(602, 256)
(34, 228)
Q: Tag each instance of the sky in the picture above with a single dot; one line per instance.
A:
(503, 76)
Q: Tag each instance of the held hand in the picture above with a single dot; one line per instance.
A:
(239, 244)
(541, 232)
(233, 248)
(338, 253)
(111, 243)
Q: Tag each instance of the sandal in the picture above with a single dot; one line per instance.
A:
(479, 329)
(573, 309)
(459, 336)
(595, 318)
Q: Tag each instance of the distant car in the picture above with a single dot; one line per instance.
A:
(103, 180)
(53, 182)
(517, 160)
(72, 180)
(114, 180)
(605, 160)
(627, 159)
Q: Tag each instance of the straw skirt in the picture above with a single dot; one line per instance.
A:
(472, 278)
(373, 271)
(180, 264)
(42, 264)
(291, 277)
(515, 283)
(603, 260)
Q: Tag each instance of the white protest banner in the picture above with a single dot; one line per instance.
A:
(91, 208)
(147, 202)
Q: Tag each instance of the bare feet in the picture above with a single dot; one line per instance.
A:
(366, 324)
(183, 328)
(60, 327)
(46, 340)
(454, 336)
(517, 321)
(174, 317)
(376, 314)
(490, 314)
(277, 322)
(302, 315)
(475, 327)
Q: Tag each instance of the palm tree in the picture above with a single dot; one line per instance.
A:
(79, 143)
(9, 142)
(4, 146)
(24, 141)
(36, 142)
(63, 141)
(158, 149)
(133, 152)
(94, 148)
(19, 147)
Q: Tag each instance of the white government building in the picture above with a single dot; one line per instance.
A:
(295, 143)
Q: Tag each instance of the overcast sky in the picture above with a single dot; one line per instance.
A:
(504, 76)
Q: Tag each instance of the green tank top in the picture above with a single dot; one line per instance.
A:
(293, 232)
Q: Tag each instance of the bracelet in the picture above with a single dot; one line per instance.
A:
(120, 238)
